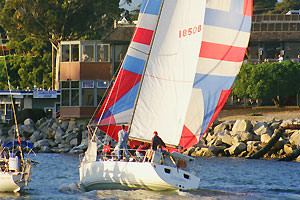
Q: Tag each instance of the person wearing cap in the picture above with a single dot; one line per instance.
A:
(157, 141)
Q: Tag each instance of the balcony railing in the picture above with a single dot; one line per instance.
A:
(276, 23)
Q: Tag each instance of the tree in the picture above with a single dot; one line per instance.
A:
(286, 5)
(263, 6)
(33, 25)
(54, 20)
(271, 81)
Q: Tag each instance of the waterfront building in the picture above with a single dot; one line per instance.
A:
(84, 82)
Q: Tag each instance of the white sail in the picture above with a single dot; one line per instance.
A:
(168, 80)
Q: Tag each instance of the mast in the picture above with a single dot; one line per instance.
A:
(144, 70)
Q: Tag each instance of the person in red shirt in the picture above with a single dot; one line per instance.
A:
(107, 150)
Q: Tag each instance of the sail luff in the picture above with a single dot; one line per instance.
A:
(147, 60)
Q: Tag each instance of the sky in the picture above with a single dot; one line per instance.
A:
(135, 3)
(133, 6)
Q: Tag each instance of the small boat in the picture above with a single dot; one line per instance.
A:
(176, 76)
(15, 170)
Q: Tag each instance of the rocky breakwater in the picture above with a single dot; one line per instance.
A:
(50, 135)
(272, 139)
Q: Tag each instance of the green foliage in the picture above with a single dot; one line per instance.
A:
(33, 25)
(263, 6)
(54, 20)
(274, 81)
(286, 5)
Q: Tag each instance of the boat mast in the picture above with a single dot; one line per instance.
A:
(146, 64)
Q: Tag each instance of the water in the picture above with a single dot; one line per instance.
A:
(57, 175)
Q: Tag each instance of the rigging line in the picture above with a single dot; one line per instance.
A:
(12, 102)
(139, 51)
(104, 108)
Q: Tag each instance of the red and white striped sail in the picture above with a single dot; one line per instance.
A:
(226, 34)
(191, 51)
(118, 106)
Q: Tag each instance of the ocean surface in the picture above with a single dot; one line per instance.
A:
(56, 177)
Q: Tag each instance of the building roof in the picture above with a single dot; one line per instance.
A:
(120, 34)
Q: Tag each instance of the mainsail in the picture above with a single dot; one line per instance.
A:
(226, 34)
(168, 79)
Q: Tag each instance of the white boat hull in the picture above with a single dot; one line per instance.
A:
(119, 174)
(11, 182)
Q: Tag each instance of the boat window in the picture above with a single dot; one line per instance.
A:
(186, 176)
(167, 170)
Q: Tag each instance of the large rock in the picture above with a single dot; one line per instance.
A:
(203, 152)
(73, 142)
(29, 122)
(236, 148)
(247, 136)
(226, 138)
(40, 143)
(220, 128)
(265, 138)
(261, 128)
(295, 138)
(59, 133)
(242, 126)
(287, 149)
(36, 136)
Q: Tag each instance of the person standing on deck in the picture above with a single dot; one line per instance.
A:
(157, 141)
(122, 143)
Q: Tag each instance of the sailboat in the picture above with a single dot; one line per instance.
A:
(15, 168)
(176, 76)
(15, 171)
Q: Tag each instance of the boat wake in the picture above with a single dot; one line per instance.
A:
(71, 188)
(213, 194)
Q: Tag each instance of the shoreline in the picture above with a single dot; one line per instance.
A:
(237, 132)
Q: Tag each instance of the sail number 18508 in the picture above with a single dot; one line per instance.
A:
(189, 31)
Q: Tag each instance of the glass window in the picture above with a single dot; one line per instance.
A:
(88, 53)
(88, 96)
(65, 49)
(65, 84)
(70, 93)
(100, 95)
(75, 52)
(87, 84)
(75, 97)
(103, 53)
(120, 52)
(75, 84)
(65, 96)
(102, 84)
